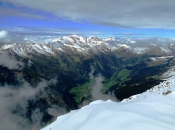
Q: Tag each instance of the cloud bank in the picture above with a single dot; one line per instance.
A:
(96, 91)
(97, 87)
(11, 99)
(4, 37)
(8, 37)
(14, 106)
(124, 13)
(8, 62)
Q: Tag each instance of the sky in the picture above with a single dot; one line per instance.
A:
(120, 18)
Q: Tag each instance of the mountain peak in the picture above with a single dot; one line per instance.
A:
(83, 45)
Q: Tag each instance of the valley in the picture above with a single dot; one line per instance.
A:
(74, 70)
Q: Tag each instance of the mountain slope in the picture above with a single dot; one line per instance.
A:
(152, 110)
(74, 44)
(76, 71)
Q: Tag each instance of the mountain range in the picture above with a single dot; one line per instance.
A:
(51, 78)
(78, 44)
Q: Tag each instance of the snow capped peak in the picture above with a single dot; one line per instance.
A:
(55, 40)
(93, 39)
(8, 46)
(67, 39)
(158, 90)
(79, 44)
(109, 39)
(172, 44)
(131, 41)
(123, 46)
(76, 36)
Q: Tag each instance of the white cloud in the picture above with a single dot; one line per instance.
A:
(4, 37)
(8, 62)
(14, 106)
(7, 37)
(11, 98)
(3, 34)
(17, 12)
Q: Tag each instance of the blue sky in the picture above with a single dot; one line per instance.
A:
(101, 18)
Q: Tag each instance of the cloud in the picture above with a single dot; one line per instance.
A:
(17, 35)
(14, 104)
(56, 111)
(96, 91)
(30, 63)
(8, 62)
(10, 99)
(19, 13)
(135, 13)
(39, 35)
(35, 31)
(4, 37)
(3, 34)
(97, 87)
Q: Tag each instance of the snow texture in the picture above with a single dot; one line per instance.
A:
(76, 43)
(151, 110)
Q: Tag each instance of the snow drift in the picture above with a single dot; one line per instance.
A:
(151, 110)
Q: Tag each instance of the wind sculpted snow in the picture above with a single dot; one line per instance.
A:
(153, 110)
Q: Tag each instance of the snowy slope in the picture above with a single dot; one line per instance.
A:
(151, 110)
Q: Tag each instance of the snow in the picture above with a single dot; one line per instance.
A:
(160, 58)
(133, 41)
(153, 59)
(82, 39)
(130, 41)
(123, 46)
(78, 44)
(169, 73)
(151, 110)
(8, 46)
(109, 39)
(165, 49)
(139, 50)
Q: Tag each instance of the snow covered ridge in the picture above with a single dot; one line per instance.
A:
(151, 110)
(66, 44)
(163, 88)
(75, 44)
